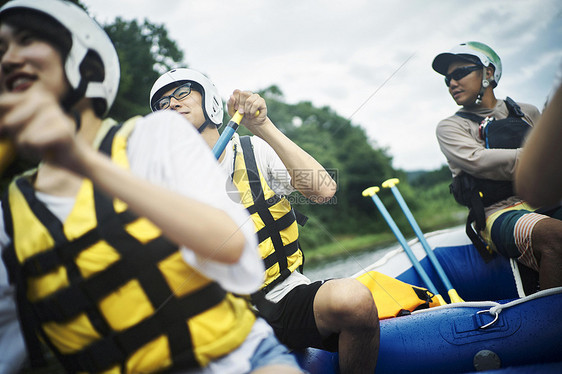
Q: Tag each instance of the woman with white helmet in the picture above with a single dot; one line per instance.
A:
(483, 143)
(103, 241)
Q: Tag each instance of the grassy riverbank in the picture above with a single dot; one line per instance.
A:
(346, 244)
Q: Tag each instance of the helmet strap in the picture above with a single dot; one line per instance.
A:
(73, 96)
(77, 119)
(485, 83)
(203, 126)
(207, 119)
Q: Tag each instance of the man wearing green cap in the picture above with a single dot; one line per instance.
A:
(482, 143)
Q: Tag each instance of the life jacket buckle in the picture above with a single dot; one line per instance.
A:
(483, 124)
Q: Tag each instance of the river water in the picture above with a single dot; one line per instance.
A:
(346, 265)
(352, 263)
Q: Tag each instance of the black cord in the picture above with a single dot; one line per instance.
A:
(77, 119)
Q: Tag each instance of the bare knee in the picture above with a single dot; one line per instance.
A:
(347, 303)
(547, 238)
(277, 369)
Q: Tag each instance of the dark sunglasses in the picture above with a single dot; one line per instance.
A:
(179, 93)
(460, 73)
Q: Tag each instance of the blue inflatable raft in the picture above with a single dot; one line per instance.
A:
(502, 327)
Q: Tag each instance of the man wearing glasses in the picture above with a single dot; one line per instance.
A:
(482, 143)
(338, 314)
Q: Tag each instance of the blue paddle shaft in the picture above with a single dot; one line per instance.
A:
(421, 237)
(220, 145)
(404, 244)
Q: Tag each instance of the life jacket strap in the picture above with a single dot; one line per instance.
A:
(470, 116)
(301, 218)
(275, 225)
(271, 228)
(287, 251)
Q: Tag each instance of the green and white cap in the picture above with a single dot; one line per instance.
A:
(476, 52)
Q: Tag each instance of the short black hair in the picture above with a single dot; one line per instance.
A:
(42, 26)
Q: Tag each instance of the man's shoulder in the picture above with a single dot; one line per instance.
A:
(526, 105)
(453, 120)
(528, 109)
(531, 113)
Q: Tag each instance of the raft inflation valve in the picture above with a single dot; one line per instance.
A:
(486, 360)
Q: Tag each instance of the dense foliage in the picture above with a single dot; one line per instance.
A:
(145, 51)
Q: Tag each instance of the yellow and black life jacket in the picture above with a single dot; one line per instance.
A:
(395, 298)
(274, 219)
(106, 291)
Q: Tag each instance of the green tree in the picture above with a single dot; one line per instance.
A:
(145, 52)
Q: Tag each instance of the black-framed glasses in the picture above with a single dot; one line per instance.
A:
(179, 93)
(460, 73)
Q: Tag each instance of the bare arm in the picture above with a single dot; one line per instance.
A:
(316, 184)
(538, 178)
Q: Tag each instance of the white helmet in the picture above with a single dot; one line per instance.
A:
(212, 102)
(86, 35)
(476, 52)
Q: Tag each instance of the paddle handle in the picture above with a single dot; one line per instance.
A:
(421, 237)
(391, 183)
(415, 263)
(227, 133)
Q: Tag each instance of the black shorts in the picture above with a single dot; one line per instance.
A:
(292, 319)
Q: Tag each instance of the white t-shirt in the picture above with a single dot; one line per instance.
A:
(164, 149)
(278, 179)
(170, 152)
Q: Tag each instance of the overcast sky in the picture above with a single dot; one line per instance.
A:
(340, 52)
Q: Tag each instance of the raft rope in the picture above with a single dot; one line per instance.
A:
(517, 277)
(496, 308)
